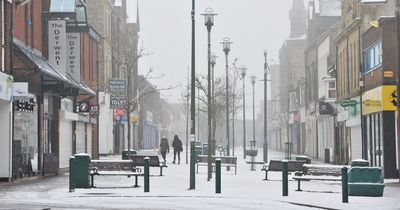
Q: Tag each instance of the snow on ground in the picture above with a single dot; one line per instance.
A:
(246, 190)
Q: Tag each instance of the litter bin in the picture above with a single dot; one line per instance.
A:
(125, 154)
(359, 163)
(205, 149)
(327, 155)
(304, 158)
(82, 179)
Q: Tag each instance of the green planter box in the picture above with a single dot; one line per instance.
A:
(365, 181)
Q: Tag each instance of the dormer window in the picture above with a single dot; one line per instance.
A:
(74, 11)
(330, 84)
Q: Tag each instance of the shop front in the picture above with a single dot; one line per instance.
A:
(6, 129)
(25, 141)
(379, 126)
(325, 123)
(36, 143)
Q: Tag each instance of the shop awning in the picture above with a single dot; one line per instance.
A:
(47, 69)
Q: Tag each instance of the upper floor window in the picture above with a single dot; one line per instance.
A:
(372, 57)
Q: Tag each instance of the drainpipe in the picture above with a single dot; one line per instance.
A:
(2, 36)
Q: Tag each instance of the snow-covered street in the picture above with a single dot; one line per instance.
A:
(246, 190)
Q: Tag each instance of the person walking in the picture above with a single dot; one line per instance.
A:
(164, 147)
(177, 145)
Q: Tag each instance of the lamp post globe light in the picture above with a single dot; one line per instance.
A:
(213, 120)
(226, 46)
(209, 22)
(243, 70)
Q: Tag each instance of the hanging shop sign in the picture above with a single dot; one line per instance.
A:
(20, 89)
(134, 118)
(74, 56)
(58, 45)
(83, 106)
(383, 98)
(347, 103)
(94, 109)
(6, 86)
(325, 108)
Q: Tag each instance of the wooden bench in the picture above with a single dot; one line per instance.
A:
(138, 160)
(226, 161)
(114, 168)
(276, 165)
(319, 172)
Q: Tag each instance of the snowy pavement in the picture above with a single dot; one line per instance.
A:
(246, 190)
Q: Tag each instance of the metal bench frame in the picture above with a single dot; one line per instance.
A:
(276, 165)
(319, 173)
(226, 161)
(125, 169)
(138, 160)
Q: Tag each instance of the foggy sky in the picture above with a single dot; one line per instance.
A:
(253, 26)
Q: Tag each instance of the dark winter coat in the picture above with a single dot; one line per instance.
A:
(164, 146)
(177, 144)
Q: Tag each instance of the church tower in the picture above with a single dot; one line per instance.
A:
(298, 18)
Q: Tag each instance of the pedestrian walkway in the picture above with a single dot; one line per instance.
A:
(246, 190)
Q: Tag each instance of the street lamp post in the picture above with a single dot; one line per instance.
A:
(209, 22)
(253, 81)
(226, 44)
(193, 101)
(243, 71)
(253, 143)
(266, 72)
(213, 120)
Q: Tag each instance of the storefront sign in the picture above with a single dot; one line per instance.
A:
(325, 108)
(20, 89)
(149, 116)
(342, 114)
(74, 56)
(383, 98)
(388, 74)
(354, 113)
(94, 109)
(134, 118)
(6, 86)
(83, 106)
(57, 45)
(118, 92)
(347, 103)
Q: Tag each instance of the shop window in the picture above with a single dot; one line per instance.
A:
(372, 57)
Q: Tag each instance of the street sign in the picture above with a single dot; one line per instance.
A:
(118, 93)
(94, 109)
(347, 103)
(117, 101)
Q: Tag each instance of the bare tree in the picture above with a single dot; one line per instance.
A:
(218, 108)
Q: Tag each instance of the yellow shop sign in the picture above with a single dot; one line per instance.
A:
(383, 98)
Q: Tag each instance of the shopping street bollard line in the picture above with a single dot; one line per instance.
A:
(345, 189)
(72, 174)
(146, 174)
(218, 175)
(285, 179)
